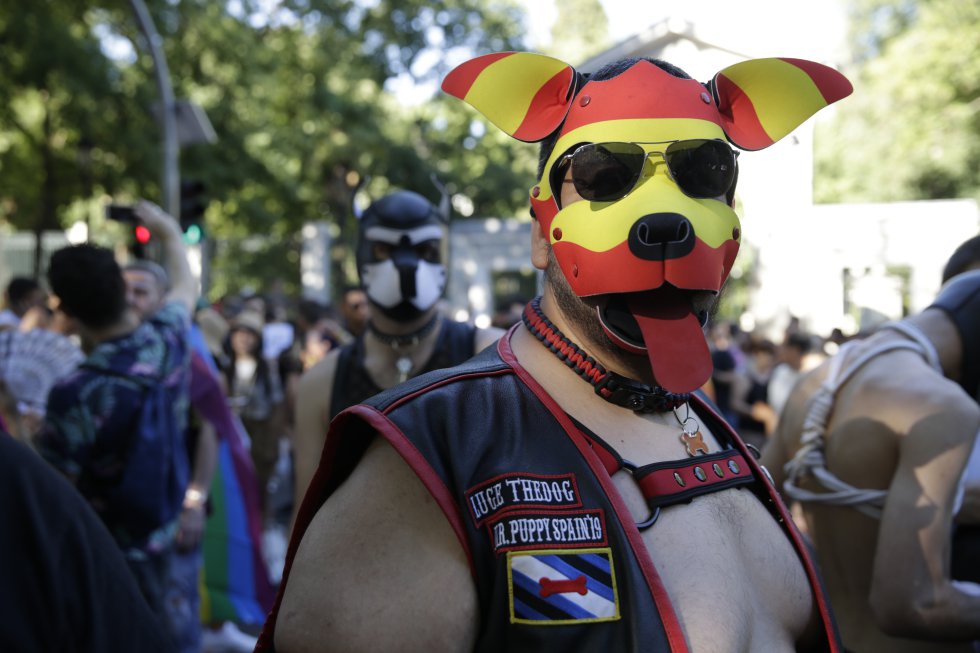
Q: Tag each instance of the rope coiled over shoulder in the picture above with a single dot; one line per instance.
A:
(810, 460)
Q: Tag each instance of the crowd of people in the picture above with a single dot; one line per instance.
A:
(168, 415)
(249, 377)
(579, 476)
(752, 374)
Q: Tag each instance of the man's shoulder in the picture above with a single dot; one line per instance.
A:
(171, 316)
(429, 386)
(946, 401)
(158, 347)
(93, 377)
(483, 337)
(8, 318)
(324, 369)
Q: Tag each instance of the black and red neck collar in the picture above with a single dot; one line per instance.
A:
(612, 387)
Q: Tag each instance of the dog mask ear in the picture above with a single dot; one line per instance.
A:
(524, 94)
(763, 100)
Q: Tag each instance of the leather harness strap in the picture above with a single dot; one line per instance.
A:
(675, 481)
(679, 481)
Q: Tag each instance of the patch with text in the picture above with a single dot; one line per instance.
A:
(529, 491)
(523, 530)
(554, 587)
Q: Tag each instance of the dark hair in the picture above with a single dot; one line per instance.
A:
(263, 372)
(20, 288)
(89, 284)
(609, 71)
(762, 345)
(310, 310)
(967, 255)
(153, 269)
(799, 341)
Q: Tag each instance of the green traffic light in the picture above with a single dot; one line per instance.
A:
(194, 234)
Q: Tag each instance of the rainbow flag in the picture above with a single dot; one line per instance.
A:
(234, 584)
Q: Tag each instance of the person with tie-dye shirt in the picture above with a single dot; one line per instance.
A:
(92, 414)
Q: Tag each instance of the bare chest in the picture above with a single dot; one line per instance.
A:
(732, 574)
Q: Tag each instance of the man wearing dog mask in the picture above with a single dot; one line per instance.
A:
(402, 257)
(568, 489)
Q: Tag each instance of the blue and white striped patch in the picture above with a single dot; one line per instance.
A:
(559, 586)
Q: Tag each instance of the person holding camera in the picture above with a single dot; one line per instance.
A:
(93, 414)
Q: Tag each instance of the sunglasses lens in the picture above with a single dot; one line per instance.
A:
(606, 171)
(701, 168)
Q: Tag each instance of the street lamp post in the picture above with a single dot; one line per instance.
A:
(182, 123)
(170, 173)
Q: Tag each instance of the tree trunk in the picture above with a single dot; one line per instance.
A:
(47, 214)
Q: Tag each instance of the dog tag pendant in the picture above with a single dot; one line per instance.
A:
(404, 365)
(694, 442)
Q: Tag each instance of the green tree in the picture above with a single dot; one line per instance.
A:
(300, 102)
(581, 30)
(911, 130)
(58, 96)
(298, 96)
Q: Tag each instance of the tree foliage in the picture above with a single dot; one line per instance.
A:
(299, 96)
(912, 129)
(580, 31)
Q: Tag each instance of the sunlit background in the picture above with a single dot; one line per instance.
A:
(285, 107)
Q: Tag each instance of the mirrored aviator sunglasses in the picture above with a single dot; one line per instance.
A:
(604, 172)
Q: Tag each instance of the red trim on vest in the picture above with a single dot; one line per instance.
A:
(675, 635)
(672, 626)
(609, 460)
(417, 462)
(789, 526)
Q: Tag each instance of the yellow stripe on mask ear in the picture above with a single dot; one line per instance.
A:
(790, 94)
(497, 94)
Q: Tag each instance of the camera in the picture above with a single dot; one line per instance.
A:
(120, 213)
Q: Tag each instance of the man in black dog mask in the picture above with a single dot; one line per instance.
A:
(402, 256)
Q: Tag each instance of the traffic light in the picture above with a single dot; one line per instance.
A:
(192, 205)
(141, 234)
(141, 239)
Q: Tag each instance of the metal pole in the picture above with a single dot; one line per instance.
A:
(170, 173)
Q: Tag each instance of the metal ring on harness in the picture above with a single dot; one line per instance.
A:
(652, 519)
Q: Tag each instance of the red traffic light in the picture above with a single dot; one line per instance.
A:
(142, 234)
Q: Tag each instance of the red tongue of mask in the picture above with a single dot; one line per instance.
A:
(676, 346)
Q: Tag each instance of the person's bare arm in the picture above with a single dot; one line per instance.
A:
(911, 593)
(193, 513)
(775, 456)
(784, 441)
(379, 569)
(310, 422)
(163, 227)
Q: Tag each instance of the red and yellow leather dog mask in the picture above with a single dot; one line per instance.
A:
(604, 248)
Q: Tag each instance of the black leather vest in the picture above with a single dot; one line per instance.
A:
(558, 562)
(352, 384)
